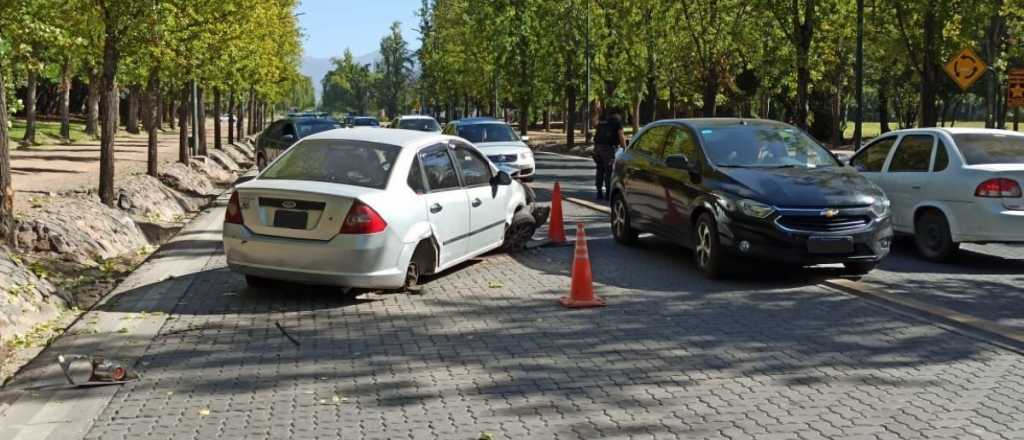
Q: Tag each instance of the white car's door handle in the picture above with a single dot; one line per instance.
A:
(477, 202)
(435, 208)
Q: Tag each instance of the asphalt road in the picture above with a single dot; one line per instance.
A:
(489, 350)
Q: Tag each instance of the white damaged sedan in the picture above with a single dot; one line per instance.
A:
(373, 209)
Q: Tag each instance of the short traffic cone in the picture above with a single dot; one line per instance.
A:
(556, 228)
(581, 294)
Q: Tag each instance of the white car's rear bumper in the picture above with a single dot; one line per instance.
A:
(364, 261)
(989, 221)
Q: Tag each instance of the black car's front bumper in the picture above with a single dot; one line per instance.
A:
(769, 239)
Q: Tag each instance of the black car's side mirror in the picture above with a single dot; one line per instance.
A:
(502, 178)
(288, 138)
(677, 161)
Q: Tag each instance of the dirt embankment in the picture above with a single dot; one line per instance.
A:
(70, 249)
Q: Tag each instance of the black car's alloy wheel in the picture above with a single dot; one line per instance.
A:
(707, 250)
(932, 237)
(621, 227)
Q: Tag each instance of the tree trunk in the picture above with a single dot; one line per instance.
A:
(216, 119)
(93, 106)
(65, 102)
(636, 114)
(240, 132)
(30, 109)
(837, 118)
(159, 103)
(201, 121)
(803, 80)
(132, 122)
(1016, 116)
(231, 116)
(251, 127)
(108, 117)
(151, 119)
(524, 117)
(570, 112)
(929, 80)
(710, 91)
(183, 104)
(6, 187)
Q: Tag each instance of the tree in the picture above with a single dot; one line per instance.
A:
(347, 87)
(393, 71)
(6, 186)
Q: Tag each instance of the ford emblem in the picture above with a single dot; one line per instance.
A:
(288, 204)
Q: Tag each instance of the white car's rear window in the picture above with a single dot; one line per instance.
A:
(347, 162)
(990, 148)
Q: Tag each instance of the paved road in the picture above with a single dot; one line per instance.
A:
(767, 355)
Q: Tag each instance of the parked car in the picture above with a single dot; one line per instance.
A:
(950, 185)
(748, 188)
(374, 209)
(499, 142)
(364, 121)
(418, 123)
(282, 134)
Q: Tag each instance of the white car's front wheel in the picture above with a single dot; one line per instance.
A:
(933, 238)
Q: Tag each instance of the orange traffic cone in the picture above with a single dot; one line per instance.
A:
(582, 293)
(556, 229)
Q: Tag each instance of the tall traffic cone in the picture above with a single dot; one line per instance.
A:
(582, 292)
(556, 229)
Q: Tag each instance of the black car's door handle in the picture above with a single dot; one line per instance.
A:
(435, 208)
(916, 187)
(477, 202)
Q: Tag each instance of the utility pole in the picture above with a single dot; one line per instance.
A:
(859, 78)
(195, 118)
(586, 94)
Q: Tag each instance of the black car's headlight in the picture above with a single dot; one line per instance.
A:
(754, 208)
(881, 207)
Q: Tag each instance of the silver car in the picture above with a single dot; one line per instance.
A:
(369, 208)
(499, 142)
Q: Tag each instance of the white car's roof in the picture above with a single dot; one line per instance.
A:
(956, 130)
(399, 137)
(416, 117)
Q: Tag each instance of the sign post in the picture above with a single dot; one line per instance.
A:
(966, 68)
(1015, 88)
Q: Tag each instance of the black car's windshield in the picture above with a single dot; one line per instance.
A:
(764, 147)
(990, 148)
(347, 162)
(480, 133)
(307, 128)
(419, 124)
(365, 122)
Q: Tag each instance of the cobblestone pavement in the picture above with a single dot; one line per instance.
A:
(768, 355)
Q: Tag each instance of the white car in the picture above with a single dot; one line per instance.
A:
(370, 208)
(950, 185)
(499, 142)
(418, 123)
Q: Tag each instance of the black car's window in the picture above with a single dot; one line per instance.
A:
(440, 170)
(274, 131)
(419, 124)
(872, 158)
(651, 141)
(941, 156)
(415, 179)
(365, 122)
(476, 171)
(764, 146)
(680, 141)
(336, 161)
(988, 148)
(288, 129)
(490, 132)
(307, 128)
(913, 154)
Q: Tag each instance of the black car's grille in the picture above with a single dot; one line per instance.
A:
(842, 223)
(502, 158)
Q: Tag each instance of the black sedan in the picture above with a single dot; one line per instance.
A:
(283, 133)
(747, 188)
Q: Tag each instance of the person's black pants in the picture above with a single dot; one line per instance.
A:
(604, 157)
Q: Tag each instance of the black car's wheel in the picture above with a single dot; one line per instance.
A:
(860, 268)
(707, 250)
(622, 229)
(255, 282)
(932, 237)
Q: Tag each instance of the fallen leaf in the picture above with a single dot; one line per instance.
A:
(486, 436)
(204, 412)
(170, 393)
(495, 285)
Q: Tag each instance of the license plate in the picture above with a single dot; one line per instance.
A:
(830, 245)
(290, 219)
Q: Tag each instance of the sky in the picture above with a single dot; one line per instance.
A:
(332, 25)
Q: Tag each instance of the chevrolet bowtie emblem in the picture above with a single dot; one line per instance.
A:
(829, 213)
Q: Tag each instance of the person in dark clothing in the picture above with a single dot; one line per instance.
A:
(609, 137)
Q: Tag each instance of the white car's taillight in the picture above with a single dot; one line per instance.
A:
(362, 219)
(998, 188)
(234, 212)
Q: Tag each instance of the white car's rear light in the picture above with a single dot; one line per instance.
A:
(234, 212)
(998, 188)
(362, 219)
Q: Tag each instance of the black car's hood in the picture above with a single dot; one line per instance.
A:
(804, 187)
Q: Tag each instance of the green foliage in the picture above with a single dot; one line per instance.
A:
(348, 87)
